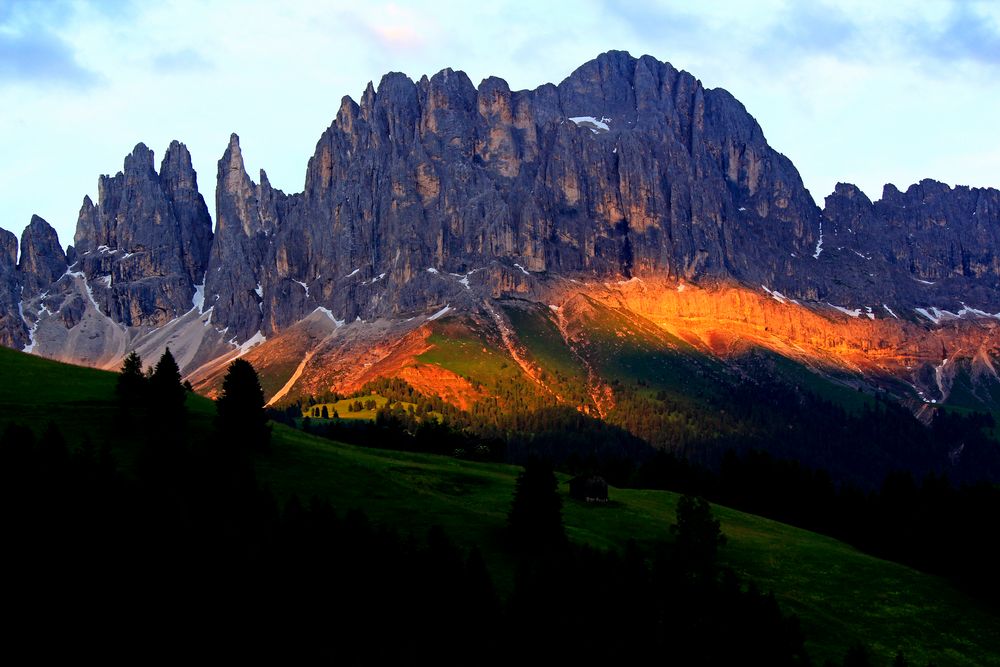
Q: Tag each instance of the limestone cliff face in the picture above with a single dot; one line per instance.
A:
(432, 193)
(42, 259)
(236, 269)
(930, 246)
(13, 332)
(667, 179)
(145, 244)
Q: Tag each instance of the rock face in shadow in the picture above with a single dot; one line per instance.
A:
(42, 260)
(150, 233)
(666, 179)
(244, 220)
(13, 332)
(931, 246)
(435, 192)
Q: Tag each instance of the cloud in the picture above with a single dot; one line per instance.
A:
(656, 22)
(400, 29)
(808, 28)
(41, 57)
(32, 52)
(182, 61)
(967, 34)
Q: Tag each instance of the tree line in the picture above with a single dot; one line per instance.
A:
(930, 516)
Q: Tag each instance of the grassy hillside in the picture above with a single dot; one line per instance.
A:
(841, 595)
(466, 353)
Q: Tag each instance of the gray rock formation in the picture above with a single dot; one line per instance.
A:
(668, 179)
(150, 233)
(13, 332)
(42, 259)
(244, 221)
(426, 193)
(932, 246)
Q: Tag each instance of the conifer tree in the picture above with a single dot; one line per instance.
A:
(167, 393)
(240, 407)
(165, 414)
(131, 386)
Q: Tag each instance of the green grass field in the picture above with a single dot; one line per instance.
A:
(540, 336)
(841, 595)
(464, 353)
(342, 408)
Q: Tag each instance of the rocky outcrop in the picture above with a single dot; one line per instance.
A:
(435, 193)
(13, 332)
(145, 245)
(245, 217)
(931, 246)
(666, 179)
(42, 259)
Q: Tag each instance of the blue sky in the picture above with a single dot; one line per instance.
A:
(862, 92)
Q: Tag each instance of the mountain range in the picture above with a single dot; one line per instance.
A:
(624, 228)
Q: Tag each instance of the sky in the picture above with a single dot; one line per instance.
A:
(853, 91)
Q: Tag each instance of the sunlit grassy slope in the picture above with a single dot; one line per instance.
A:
(342, 407)
(841, 595)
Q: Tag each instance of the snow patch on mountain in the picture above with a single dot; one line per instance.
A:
(855, 312)
(439, 313)
(591, 123)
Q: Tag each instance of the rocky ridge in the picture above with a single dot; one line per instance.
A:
(436, 194)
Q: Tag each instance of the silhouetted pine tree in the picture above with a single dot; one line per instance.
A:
(131, 386)
(165, 420)
(166, 392)
(241, 417)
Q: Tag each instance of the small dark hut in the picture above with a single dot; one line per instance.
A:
(589, 488)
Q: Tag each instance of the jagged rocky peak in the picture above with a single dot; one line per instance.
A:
(8, 251)
(236, 270)
(140, 210)
(665, 180)
(180, 184)
(235, 194)
(13, 331)
(147, 238)
(139, 161)
(606, 87)
(42, 258)
(849, 191)
(847, 210)
(434, 192)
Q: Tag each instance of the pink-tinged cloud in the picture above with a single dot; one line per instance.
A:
(398, 36)
(399, 28)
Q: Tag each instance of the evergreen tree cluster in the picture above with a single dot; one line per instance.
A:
(766, 413)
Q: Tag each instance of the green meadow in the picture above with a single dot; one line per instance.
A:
(841, 595)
